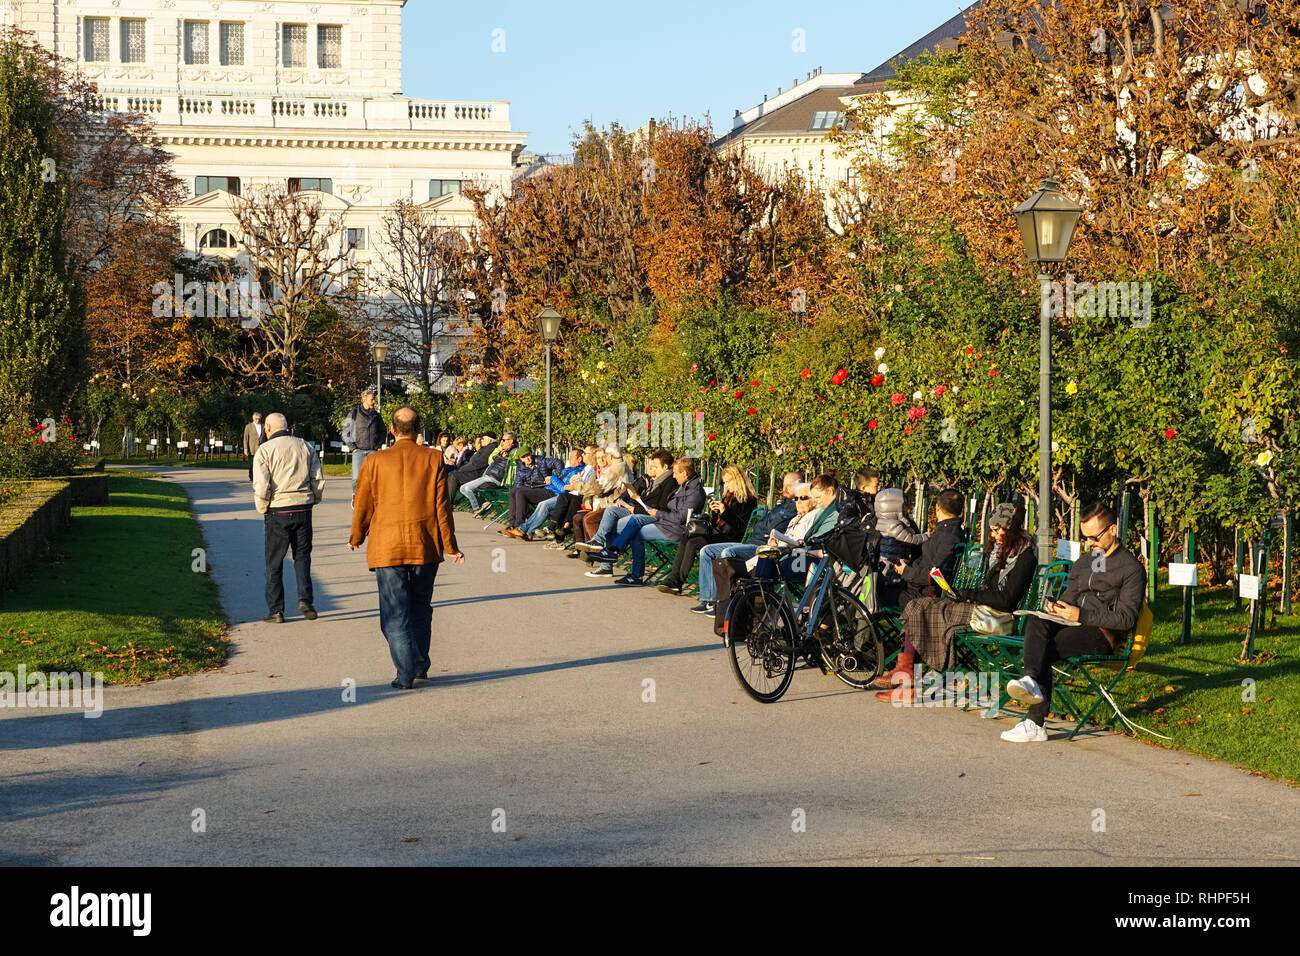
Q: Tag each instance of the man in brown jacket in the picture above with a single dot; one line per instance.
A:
(402, 505)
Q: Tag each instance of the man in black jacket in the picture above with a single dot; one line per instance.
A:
(473, 467)
(939, 550)
(1104, 595)
(364, 430)
(651, 490)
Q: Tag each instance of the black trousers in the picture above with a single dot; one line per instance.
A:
(1045, 644)
(453, 486)
(685, 559)
(565, 509)
(522, 502)
(285, 531)
(250, 467)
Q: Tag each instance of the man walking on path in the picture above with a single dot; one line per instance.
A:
(363, 432)
(287, 481)
(253, 437)
(402, 505)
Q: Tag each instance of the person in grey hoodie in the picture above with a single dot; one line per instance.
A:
(900, 540)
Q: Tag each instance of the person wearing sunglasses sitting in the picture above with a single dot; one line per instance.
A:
(1103, 595)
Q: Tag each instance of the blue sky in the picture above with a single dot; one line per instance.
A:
(568, 60)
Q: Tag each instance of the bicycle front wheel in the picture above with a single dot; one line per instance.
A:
(760, 643)
(851, 647)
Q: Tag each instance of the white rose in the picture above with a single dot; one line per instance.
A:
(916, 396)
(883, 369)
(880, 353)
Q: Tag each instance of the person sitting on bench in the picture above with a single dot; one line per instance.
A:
(930, 624)
(939, 550)
(1103, 594)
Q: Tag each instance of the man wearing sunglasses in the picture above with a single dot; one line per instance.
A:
(1104, 595)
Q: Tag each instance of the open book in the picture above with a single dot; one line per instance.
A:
(1047, 617)
(784, 539)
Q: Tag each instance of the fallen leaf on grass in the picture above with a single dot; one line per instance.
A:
(1169, 688)
(268, 811)
(703, 762)
(1191, 795)
(410, 839)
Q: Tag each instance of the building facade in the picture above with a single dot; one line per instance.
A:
(299, 93)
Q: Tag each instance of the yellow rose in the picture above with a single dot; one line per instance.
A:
(1264, 458)
(1071, 389)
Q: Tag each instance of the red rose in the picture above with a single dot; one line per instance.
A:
(1169, 433)
(872, 424)
(898, 398)
(877, 380)
(839, 377)
(992, 372)
(753, 411)
(969, 350)
(712, 437)
(806, 373)
(939, 390)
(907, 430)
(739, 393)
(772, 389)
(754, 383)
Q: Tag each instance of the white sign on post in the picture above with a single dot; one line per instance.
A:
(1068, 550)
(1248, 587)
(1182, 575)
(182, 444)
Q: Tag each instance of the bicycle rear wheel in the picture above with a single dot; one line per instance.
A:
(851, 647)
(760, 643)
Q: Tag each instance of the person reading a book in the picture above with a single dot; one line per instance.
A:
(939, 550)
(1102, 599)
(930, 624)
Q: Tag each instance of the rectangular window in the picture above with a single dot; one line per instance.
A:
(329, 47)
(206, 184)
(196, 42)
(824, 119)
(132, 41)
(232, 44)
(96, 39)
(443, 187)
(324, 185)
(294, 44)
(851, 178)
(356, 239)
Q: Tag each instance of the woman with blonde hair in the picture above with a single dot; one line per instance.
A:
(726, 520)
(452, 453)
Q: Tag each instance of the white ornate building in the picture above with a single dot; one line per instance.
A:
(303, 93)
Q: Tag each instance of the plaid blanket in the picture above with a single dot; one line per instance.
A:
(932, 624)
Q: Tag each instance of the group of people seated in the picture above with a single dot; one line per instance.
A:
(609, 505)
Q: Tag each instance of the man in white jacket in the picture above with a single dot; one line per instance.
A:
(287, 481)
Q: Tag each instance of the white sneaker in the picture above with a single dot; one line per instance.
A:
(1026, 690)
(1025, 732)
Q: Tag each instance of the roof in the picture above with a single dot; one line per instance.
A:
(949, 30)
(797, 116)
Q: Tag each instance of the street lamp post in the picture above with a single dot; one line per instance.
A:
(1047, 220)
(380, 351)
(548, 321)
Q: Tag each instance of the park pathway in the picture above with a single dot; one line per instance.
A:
(536, 721)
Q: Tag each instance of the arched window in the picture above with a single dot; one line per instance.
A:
(216, 239)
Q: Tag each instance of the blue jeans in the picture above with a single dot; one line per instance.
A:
(406, 616)
(608, 522)
(636, 530)
(470, 487)
(359, 456)
(720, 549)
(539, 516)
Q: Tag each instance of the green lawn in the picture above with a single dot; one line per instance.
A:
(117, 594)
(1193, 693)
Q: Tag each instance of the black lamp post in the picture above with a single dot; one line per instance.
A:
(1047, 220)
(548, 321)
(380, 351)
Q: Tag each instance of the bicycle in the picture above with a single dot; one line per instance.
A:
(765, 632)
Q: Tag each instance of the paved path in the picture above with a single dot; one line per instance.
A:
(536, 715)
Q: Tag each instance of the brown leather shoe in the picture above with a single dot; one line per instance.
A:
(513, 533)
(903, 695)
(902, 667)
